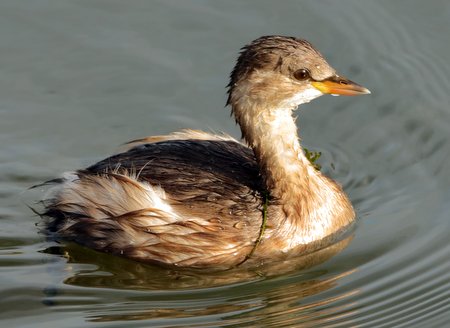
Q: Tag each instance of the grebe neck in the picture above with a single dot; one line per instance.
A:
(313, 205)
(272, 134)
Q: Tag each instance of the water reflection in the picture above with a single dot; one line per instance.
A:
(283, 301)
(237, 296)
(116, 272)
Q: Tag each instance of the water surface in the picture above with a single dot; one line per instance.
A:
(79, 78)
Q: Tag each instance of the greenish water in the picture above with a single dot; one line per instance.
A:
(79, 78)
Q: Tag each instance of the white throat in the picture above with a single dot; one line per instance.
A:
(303, 97)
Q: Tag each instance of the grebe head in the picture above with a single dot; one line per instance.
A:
(284, 72)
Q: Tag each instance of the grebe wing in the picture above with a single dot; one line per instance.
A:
(188, 202)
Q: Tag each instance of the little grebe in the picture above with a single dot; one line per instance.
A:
(193, 199)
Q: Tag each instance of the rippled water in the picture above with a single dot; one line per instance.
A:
(78, 78)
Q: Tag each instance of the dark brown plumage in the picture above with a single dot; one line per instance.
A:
(194, 199)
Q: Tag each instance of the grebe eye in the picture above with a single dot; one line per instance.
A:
(302, 74)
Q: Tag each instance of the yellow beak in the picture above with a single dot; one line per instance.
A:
(338, 85)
